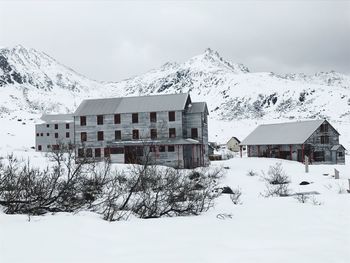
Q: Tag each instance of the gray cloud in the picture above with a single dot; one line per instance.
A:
(112, 40)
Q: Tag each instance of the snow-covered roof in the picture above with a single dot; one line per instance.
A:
(282, 133)
(57, 117)
(337, 147)
(196, 107)
(149, 103)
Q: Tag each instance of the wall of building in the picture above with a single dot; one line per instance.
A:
(144, 125)
(233, 145)
(45, 135)
(198, 121)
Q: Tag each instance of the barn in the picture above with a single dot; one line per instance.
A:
(316, 139)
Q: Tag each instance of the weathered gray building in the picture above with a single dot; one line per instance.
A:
(316, 139)
(54, 130)
(162, 129)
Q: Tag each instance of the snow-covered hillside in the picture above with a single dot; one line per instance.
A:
(32, 83)
(32, 79)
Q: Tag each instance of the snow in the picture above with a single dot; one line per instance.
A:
(278, 229)
(260, 230)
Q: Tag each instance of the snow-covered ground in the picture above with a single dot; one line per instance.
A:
(278, 229)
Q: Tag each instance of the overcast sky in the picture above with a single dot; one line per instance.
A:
(113, 40)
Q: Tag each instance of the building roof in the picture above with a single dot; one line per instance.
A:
(57, 117)
(235, 138)
(149, 103)
(337, 147)
(197, 107)
(282, 133)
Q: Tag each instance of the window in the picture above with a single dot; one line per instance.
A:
(88, 152)
(47, 134)
(47, 125)
(99, 119)
(171, 148)
(116, 118)
(135, 134)
(153, 134)
(81, 152)
(324, 127)
(340, 154)
(56, 135)
(172, 133)
(67, 125)
(162, 148)
(37, 134)
(171, 115)
(56, 126)
(48, 146)
(153, 116)
(83, 136)
(107, 152)
(67, 134)
(118, 150)
(324, 139)
(39, 148)
(100, 136)
(118, 135)
(194, 133)
(97, 152)
(41, 134)
(135, 118)
(82, 120)
(152, 148)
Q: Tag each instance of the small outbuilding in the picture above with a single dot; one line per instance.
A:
(233, 144)
(317, 139)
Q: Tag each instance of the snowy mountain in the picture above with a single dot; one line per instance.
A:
(33, 81)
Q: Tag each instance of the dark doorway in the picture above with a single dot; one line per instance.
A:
(133, 154)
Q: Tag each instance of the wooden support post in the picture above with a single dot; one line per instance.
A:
(258, 150)
(302, 153)
(248, 150)
(279, 151)
(336, 174)
(291, 152)
(241, 150)
(306, 164)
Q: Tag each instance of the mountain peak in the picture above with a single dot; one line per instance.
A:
(212, 59)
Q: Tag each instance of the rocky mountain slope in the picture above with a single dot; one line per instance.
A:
(34, 82)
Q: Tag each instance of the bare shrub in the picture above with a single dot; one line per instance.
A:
(302, 198)
(65, 186)
(146, 191)
(252, 173)
(314, 201)
(277, 181)
(236, 196)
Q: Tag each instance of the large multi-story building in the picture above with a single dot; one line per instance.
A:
(163, 129)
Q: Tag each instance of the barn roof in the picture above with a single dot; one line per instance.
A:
(282, 133)
(149, 103)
